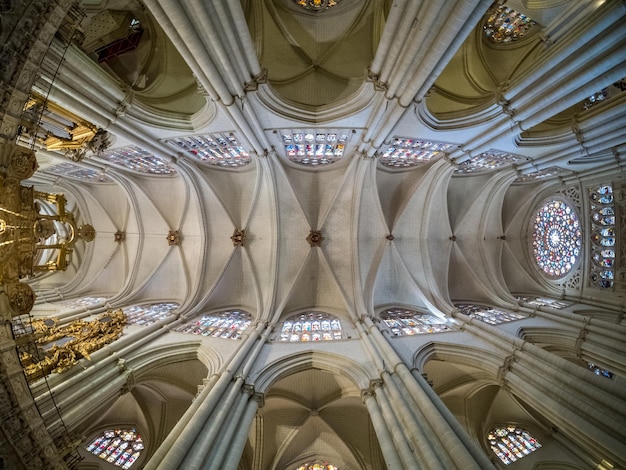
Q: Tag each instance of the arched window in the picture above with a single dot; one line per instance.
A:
(602, 271)
(148, 313)
(489, 315)
(315, 148)
(311, 326)
(599, 371)
(225, 324)
(556, 238)
(544, 301)
(405, 322)
(136, 159)
(489, 160)
(511, 443)
(121, 447)
(82, 302)
(76, 172)
(407, 153)
(215, 149)
(504, 24)
(317, 465)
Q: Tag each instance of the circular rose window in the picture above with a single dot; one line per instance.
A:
(556, 238)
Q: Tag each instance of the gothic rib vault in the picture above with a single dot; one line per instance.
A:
(510, 128)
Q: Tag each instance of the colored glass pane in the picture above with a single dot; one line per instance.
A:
(121, 447)
(511, 443)
(311, 326)
(544, 301)
(82, 302)
(599, 371)
(551, 172)
(603, 236)
(148, 313)
(504, 24)
(556, 238)
(489, 315)
(135, 159)
(222, 150)
(489, 160)
(407, 153)
(315, 148)
(405, 322)
(76, 172)
(318, 465)
(226, 324)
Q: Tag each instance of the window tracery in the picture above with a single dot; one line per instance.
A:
(504, 24)
(222, 150)
(311, 326)
(149, 313)
(604, 94)
(70, 170)
(82, 302)
(314, 148)
(490, 315)
(136, 159)
(225, 324)
(511, 443)
(544, 301)
(317, 465)
(406, 322)
(489, 160)
(407, 153)
(556, 238)
(599, 370)
(603, 236)
(121, 447)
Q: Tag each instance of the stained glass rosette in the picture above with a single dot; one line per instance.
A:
(556, 239)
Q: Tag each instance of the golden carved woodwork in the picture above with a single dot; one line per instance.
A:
(58, 348)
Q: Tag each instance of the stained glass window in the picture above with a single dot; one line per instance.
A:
(603, 240)
(542, 174)
(314, 148)
(311, 326)
(605, 94)
(82, 302)
(556, 238)
(511, 443)
(544, 301)
(504, 24)
(599, 371)
(215, 149)
(78, 173)
(226, 324)
(136, 159)
(489, 315)
(121, 447)
(317, 465)
(317, 5)
(148, 313)
(406, 153)
(489, 160)
(405, 322)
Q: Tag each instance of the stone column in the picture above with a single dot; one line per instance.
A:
(392, 459)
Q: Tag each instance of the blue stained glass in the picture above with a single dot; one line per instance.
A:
(511, 443)
(311, 326)
(406, 322)
(119, 447)
(225, 324)
(556, 238)
(221, 150)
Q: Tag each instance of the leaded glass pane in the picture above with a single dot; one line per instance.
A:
(407, 153)
(148, 313)
(604, 94)
(556, 238)
(544, 301)
(504, 24)
(318, 465)
(599, 371)
(311, 326)
(222, 150)
(76, 172)
(314, 148)
(511, 443)
(489, 160)
(226, 324)
(550, 172)
(405, 322)
(121, 447)
(136, 159)
(82, 302)
(603, 236)
(493, 316)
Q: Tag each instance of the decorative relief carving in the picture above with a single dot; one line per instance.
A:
(315, 238)
(173, 238)
(239, 237)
